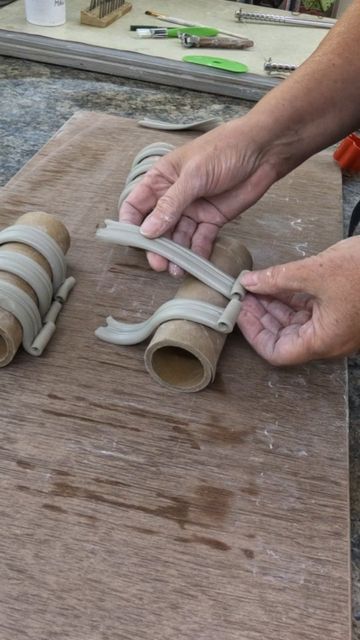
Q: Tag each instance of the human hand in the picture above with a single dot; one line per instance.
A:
(193, 191)
(305, 310)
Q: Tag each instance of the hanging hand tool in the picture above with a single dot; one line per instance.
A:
(272, 18)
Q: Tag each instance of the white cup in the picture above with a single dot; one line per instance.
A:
(46, 13)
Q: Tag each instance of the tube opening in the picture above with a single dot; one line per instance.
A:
(4, 349)
(177, 367)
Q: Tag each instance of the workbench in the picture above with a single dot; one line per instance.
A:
(122, 53)
(38, 99)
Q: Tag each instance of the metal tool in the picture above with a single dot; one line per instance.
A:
(272, 18)
(190, 41)
(101, 13)
(105, 6)
(278, 67)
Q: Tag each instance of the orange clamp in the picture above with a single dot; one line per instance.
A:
(348, 153)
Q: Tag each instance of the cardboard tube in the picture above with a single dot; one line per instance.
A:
(183, 355)
(10, 329)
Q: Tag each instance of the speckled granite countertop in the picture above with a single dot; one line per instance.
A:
(36, 99)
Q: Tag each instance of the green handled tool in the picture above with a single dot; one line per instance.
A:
(174, 32)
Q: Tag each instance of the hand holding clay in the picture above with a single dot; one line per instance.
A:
(196, 189)
(193, 191)
(305, 310)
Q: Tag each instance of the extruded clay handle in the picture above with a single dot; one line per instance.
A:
(128, 235)
(197, 125)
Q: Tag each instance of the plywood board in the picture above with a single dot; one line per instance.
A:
(287, 44)
(130, 512)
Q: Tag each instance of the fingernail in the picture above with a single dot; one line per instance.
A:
(249, 279)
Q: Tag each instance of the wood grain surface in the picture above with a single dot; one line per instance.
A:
(129, 512)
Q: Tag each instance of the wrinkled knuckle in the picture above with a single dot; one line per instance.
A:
(150, 174)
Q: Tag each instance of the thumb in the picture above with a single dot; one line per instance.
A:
(298, 276)
(169, 208)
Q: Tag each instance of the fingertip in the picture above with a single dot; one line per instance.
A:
(157, 224)
(175, 271)
(161, 219)
(156, 262)
(204, 251)
(249, 279)
(149, 227)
